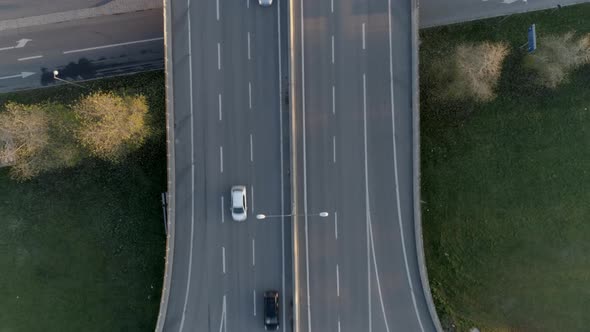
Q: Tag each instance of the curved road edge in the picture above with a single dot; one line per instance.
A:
(171, 175)
(416, 166)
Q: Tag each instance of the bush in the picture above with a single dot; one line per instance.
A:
(470, 72)
(557, 55)
(36, 139)
(112, 126)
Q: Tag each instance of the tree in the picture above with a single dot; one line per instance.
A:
(111, 126)
(35, 140)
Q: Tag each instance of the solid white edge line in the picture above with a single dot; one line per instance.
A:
(221, 159)
(283, 306)
(367, 214)
(399, 215)
(305, 167)
(191, 103)
(30, 58)
(219, 101)
(251, 149)
(223, 258)
(377, 278)
(218, 56)
(118, 44)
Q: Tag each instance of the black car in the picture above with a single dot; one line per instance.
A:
(271, 310)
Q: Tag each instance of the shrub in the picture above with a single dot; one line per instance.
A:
(557, 55)
(111, 126)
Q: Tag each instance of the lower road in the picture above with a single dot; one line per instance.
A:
(83, 49)
(354, 136)
(435, 12)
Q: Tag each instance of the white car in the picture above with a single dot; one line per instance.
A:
(239, 206)
(265, 3)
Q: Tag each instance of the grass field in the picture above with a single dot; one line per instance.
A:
(83, 249)
(506, 188)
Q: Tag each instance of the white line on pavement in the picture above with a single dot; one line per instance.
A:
(332, 5)
(399, 214)
(367, 207)
(251, 149)
(304, 134)
(223, 323)
(253, 252)
(221, 159)
(337, 281)
(334, 149)
(223, 258)
(377, 277)
(218, 56)
(192, 232)
(248, 45)
(219, 101)
(332, 49)
(363, 36)
(247, 3)
(338, 325)
(336, 225)
(30, 58)
(249, 95)
(280, 91)
(114, 45)
(217, 8)
(222, 211)
(252, 195)
(333, 99)
(254, 300)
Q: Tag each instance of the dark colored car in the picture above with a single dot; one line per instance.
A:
(271, 310)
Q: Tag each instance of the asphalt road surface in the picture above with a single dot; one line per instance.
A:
(357, 268)
(11, 9)
(79, 50)
(436, 12)
(230, 128)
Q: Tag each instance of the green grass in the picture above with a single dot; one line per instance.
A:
(506, 188)
(83, 249)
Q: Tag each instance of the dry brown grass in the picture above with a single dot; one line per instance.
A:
(471, 71)
(557, 55)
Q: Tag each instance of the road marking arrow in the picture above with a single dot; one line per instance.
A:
(19, 44)
(23, 74)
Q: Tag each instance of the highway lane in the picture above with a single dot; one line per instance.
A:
(87, 49)
(227, 104)
(358, 268)
(434, 12)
